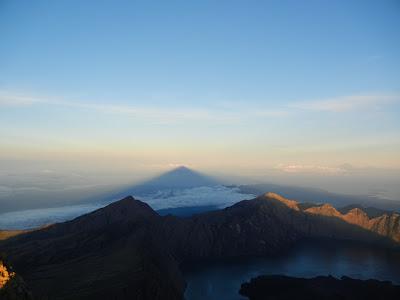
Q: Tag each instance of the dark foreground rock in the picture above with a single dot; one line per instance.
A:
(279, 287)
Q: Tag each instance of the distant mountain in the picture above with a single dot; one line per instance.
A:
(128, 251)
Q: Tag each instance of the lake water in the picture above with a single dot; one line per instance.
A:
(222, 280)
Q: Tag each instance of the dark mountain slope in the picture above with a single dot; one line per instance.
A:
(111, 253)
(240, 230)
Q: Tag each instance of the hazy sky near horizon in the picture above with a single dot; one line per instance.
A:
(142, 86)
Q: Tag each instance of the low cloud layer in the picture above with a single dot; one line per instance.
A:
(219, 196)
(33, 218)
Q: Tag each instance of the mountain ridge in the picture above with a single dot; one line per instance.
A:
(126, 246)
(314, 195)
(387, 224)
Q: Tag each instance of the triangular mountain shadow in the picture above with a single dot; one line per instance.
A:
(178, 178)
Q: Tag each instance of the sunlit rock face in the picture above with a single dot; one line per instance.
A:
(289, 203)
(387, 224)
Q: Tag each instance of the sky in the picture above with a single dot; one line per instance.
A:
(109, 91)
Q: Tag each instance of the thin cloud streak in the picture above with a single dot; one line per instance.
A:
(316, 169)
(218, 115)
(162, 115)
(347, 103)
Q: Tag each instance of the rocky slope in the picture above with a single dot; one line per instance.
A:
(323, 287)
(127, 251)
(386, 224)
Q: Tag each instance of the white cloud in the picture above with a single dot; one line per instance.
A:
(219, 196)
(33, 218)
(347, 103)
(298, 168)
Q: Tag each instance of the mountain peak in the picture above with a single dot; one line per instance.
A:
(182, 168)
(125, 210)
(129, 207)
(325, 209)
(289, 203)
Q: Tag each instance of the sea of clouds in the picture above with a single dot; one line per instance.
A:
(219, 196)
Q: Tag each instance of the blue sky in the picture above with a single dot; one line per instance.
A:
(294, 86)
